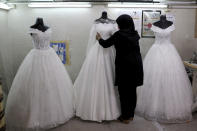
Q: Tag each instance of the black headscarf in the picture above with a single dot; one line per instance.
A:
(125, 22)
(127, 28)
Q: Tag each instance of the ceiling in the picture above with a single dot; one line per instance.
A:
(151, 1)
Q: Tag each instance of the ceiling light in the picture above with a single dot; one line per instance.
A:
(60, 5)
(5, 6)
(136, 5)
(182, 7)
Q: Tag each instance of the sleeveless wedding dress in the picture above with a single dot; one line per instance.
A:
(166, 95)
(96, 96)
(41, 95)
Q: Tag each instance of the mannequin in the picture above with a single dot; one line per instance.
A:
(40, 25)
(104, 18)
(163, 23)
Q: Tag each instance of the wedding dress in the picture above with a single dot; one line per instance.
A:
(95, 94)
(41, 95)
(166, 95)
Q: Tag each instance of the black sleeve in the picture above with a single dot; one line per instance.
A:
(109, 42)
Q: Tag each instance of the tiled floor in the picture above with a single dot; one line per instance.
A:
(139, 124)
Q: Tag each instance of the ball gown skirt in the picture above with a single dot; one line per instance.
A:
(41, 95)
(166, 94)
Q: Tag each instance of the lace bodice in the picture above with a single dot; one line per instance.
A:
(41, 40)
(162, 35)
(105, 30)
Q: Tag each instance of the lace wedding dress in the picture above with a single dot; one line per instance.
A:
(96, 96)
(166, 95)
(41, 95)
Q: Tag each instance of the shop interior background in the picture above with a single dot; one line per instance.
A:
(74, 24)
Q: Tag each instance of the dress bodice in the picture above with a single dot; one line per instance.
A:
(41, 40)
(162, 35)
(105, 30)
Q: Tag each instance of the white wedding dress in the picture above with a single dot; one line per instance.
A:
(166, 95)
(96, 96)
(41, 95)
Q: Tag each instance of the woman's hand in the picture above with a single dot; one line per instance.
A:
(98, 36)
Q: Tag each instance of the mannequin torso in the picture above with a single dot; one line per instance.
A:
(104, 19)
(163, 23)
(39, 25)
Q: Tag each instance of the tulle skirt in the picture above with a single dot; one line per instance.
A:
(96, 96)
(166, 95)
(41, 95)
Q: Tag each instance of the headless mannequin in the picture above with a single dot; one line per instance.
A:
(104, 19)
(163, 23)
(39, 25)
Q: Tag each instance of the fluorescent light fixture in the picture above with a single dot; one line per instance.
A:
(136, 5)
(41, 0)
(60, 5)
(183, 7)
(178, 2)
(5, 6)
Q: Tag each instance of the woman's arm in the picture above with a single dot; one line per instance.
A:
(106, 43)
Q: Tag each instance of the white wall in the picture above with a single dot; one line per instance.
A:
(3, 41)
(183, 36)
(74, 24)
(3, 26)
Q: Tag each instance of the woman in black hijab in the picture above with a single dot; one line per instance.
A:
(128, 64)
